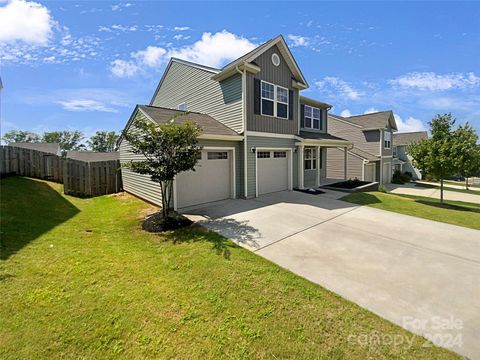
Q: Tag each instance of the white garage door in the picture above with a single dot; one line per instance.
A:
(387, 173)
(211, 180)
(370, 172)
(272, 168)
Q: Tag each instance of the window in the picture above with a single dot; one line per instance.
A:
(268, 98)
(387, 140)
(182, 106)
(310, 159)
(217, 155)
(274, 100)
(282, 102)
(394, 151)
(312, 118)
(279, 154)
(263, 154)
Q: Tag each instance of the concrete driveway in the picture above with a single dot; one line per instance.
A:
(416, 273)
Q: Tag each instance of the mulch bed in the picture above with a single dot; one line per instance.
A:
(349, 184)
(157, 223)
(311, 191)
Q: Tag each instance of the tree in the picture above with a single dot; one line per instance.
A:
(103, 141)
(467, 152)
(169, 149)
(68, 140)
(437, 155)
(20, 136)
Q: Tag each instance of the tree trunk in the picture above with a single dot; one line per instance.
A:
(466, 182)
(164, 200)
(441, 190)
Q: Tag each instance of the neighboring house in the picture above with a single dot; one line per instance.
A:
(370, 159)
(259, 135)
(401, 160)
(51, 148)
(92, 156)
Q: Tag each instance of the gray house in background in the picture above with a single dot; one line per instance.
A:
(259, 134)
(93, 156)
(370, 159)
(50, 148)
(401, 160)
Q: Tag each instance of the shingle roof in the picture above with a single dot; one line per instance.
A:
(92, 156)
(409, 137)
(373, 120)
(318, 136)
(364, 154)
(208, 124)
(51, 148)
(310, 101)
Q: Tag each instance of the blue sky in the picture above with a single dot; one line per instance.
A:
(85, 64)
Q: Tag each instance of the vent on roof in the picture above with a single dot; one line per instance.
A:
(275, 59)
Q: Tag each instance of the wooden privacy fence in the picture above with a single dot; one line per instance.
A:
(32, 163)
(91, 178)
(80, 178)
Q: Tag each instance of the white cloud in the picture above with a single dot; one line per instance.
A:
(25, 21)
(122, 68)
(212, 50)
(409, 125)
(346, 113)
(297, 40)
(120, 6)
(181, 37)
(434, 82)
(85, 105)
(338, 88)
(181, 28)
(370, 110)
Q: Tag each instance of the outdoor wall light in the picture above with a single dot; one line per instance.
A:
(253, 149)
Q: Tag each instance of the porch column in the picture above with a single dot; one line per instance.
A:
(300, 167)
(318, 165)
(345, 163)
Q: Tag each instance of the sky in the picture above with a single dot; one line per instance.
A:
(84, 65)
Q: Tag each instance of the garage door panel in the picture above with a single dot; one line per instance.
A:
(211, 180)
(272, 171)
(369, 172)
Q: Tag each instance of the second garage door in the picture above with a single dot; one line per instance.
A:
(211, 180)
(272, 168)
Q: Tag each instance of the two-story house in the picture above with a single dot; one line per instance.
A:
(402, 161)
(259, 134)
(370, 159)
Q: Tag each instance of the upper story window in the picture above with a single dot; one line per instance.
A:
(387, 140)
(394, 151)
(182, 106)
(311, 118)
(274, 100)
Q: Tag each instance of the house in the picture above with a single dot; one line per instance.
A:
(370, 159)
(401, 160)
(92, 156)
(259, 135)
(50, 148)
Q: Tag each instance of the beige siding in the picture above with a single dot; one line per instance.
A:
(194, 86)
(364, 140)
(335, 166)
(278, 75)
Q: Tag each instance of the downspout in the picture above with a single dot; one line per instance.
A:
(244, 126)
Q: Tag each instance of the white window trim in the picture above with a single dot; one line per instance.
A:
(313, 156)
(312, 118)
(184, 104)
(385, 141)
(394, 151)
(274, 100)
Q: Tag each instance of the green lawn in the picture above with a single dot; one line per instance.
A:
(453, 212)
(80, 279)
(461, 183)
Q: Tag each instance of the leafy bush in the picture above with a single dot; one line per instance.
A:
(409, 174)
(399, 178)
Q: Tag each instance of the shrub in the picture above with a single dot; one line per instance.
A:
(409, 174)
(398, 177)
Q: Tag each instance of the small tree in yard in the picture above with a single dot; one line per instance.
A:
(103, 141)
(437, 155)
(169, 149)
(467, 152)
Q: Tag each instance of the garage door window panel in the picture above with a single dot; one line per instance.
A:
(217, 155)
(280, 154)
(263, 155)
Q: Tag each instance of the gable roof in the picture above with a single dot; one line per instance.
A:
(313, 102)
(92, 156)
(409, 137)
(252, 55)
(372, 121)
(209, 125)
(51, 148)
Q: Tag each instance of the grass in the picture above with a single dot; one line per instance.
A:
(446, 188)
(461, 183)
(451, 212)
(80, 279)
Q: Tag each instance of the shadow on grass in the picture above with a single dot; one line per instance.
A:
(448, 206)
(362, 199)
(29, 209)
(196, 233)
